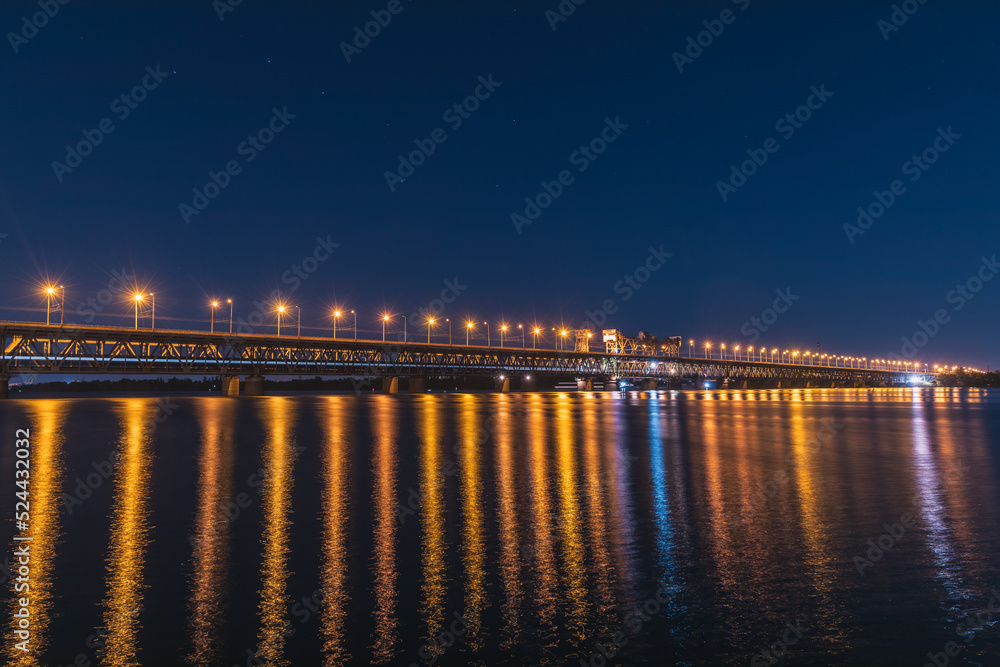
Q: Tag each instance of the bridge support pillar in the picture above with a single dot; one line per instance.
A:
(588, 384)
(649, 384)
(254, 385)
(230, 385)
(503, 386)
(390, 385)
(4, 386)
(418, 385)
(610, 385)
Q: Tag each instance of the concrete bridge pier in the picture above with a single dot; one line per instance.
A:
(503, 386)
(390, 385)
(230, 385)
(610, 385)
(254, 385)
(649, 384)
(418, 385)
(585, 384)
(4, 386)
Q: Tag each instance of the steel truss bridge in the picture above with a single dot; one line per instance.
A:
(53, 349)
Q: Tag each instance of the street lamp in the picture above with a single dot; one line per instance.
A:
(230, 301)
(215, 304)
(503, 328)
(708, 346)
(298, 334)
(534, 338)
(562, 342)
(281, 310)
(487, 333)
(138, 299)
(773, 350)
(355, 324)
(430, 323)
(468, 328)
(49, 291)
(385, 318)
(691, 348)
(722, 351)
(448, 320)
(336, 316)
(404, 327)
(522, 335)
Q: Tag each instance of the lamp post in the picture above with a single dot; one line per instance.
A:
(503, 328)
(152, 311)
(430, 323)
(230, 315)
(708, 347)
(385, 318)
(298, 334)
(404, 327)
(468, 328)
(562, 340)
(138, 298)
(336, 316)
(487, 333)
(522, 336)
(691, 348)
(49, 291)
(355, 324)
(534, 339)
(281, 310)
(215, 304)
(448, 320)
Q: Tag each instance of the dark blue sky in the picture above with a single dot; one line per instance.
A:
(656, 184)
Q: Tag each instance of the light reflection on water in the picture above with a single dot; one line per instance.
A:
(541, 520)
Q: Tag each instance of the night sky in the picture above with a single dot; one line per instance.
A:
(549, 85)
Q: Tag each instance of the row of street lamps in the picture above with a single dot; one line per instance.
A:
(807, 358)
(736, 352)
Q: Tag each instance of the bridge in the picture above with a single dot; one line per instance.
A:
(33, 349)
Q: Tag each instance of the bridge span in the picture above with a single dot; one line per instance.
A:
(33, 349)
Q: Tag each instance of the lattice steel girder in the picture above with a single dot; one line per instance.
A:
(86, 349)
